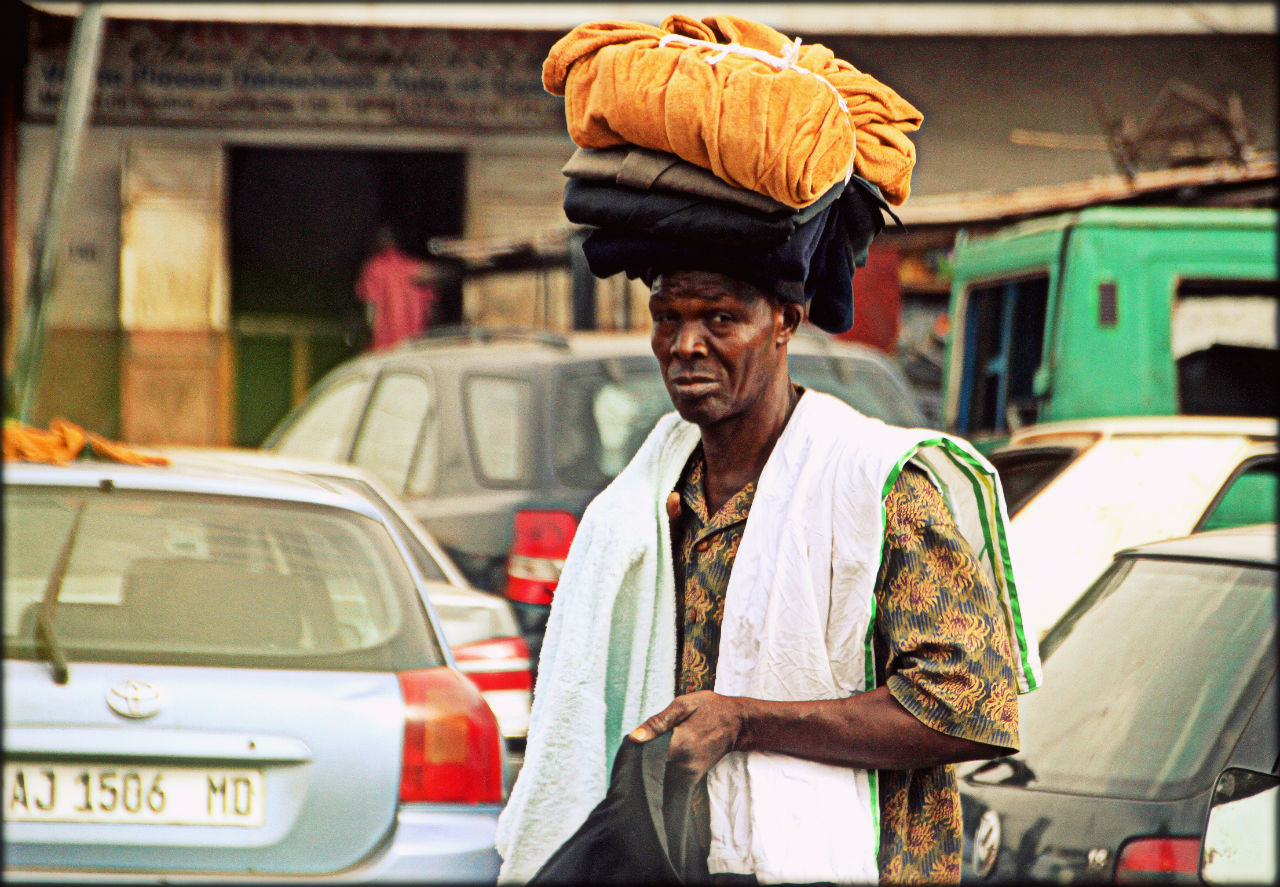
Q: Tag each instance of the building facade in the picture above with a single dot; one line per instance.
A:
(235, 172)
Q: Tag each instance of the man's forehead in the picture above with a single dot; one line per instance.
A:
(707, 285)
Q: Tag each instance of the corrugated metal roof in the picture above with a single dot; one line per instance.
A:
(987, 206)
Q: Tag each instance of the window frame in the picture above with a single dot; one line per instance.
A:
(290, 421)
(1017, 455)
(1008, 291)
(530, 459)
(1240, 470)
(403, 487)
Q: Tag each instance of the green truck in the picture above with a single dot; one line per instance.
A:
(1112, 311)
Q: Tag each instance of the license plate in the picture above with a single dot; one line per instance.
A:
(36, 792)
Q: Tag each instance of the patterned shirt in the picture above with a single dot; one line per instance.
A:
(939, 642)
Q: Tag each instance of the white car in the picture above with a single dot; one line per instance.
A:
(1078, 491)
(480, 628)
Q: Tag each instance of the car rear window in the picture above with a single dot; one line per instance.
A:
(602, 415)
(603, 412)
(1141, 680)
(209, 580)
(1025, 472)
(859, 383)
(427, 564)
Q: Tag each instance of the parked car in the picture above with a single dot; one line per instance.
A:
(230, 675)
(479, 627)
(1079, 491)
(1159, 700)
(498, 440)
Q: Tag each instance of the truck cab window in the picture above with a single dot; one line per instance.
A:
(1004, 331)
(1223, 338)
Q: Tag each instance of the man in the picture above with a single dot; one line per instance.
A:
(396, 290)
(826, 663)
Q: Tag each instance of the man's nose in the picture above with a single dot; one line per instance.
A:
(689, 341)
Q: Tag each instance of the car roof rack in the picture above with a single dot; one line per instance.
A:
(464, 332)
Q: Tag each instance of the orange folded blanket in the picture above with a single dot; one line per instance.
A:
(63, 442)
(776, 130)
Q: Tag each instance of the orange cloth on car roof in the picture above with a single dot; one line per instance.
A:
(776, 132)
(63, 442)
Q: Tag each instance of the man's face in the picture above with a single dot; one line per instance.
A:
(720, 343)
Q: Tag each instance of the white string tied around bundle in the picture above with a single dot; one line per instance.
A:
(787, 61)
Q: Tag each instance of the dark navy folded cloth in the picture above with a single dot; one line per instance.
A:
(641, 833)
(674, 215)
(814, 265)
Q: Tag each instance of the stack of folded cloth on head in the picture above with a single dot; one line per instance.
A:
(720, 146)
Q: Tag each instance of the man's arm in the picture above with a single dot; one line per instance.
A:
(870, 730)
(948, 695)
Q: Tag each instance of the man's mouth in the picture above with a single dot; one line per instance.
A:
(692, 385)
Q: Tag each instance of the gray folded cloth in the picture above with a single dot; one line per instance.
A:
(646, 169)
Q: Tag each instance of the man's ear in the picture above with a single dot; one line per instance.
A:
(790, 316)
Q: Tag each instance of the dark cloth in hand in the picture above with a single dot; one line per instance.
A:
(641, 833)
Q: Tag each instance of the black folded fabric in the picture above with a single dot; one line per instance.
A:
(678, 216)
(815, 264)
(641, 832)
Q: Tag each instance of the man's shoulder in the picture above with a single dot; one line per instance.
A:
(855, 434)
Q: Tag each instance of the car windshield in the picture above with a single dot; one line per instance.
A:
(603, 413)
(165, 577)
(859, 383)
(1141, 677)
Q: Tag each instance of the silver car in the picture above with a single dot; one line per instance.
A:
(212, 674)
(480, 628)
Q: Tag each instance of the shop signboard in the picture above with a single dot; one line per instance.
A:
(227, 73)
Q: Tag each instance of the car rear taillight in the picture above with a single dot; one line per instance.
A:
(452, 747)
(497, 664)
(1151, 860)
(539, 547)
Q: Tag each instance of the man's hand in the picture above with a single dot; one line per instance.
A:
(705, 727)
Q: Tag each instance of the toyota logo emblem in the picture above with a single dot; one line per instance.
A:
(134, 699)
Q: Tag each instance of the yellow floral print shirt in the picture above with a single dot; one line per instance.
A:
(940, 646)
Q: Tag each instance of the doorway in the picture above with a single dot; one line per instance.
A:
(302, 221)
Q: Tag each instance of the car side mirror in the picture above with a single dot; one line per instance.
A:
(1240, 835)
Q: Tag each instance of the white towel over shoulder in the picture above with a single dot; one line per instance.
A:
(797, 626)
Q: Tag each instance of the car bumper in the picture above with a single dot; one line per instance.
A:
(429, 844)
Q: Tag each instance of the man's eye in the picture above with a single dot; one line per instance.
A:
(721, 317)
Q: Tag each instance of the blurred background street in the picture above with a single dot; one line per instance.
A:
(307, 643)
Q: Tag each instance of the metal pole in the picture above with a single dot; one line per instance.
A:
(74, 109)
